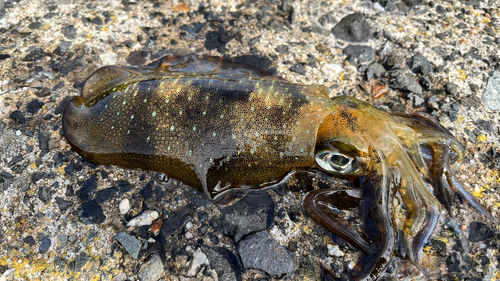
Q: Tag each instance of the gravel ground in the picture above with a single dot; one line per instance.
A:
(64, 218)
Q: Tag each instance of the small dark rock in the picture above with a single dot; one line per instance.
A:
(16, 159)
(87, 189)
(282, 49)
(35, 25)
(298, 68)
(261, 251)
(6, 175)
(63, 204)
(69, 169)
(43, 92)
(412, 3)
(34, 55)
(29, 240)
(36, 176)
(353, 28)
(420, 64)
(171, 225)
(97, 21)
(91, 213)
(390, 6)
(213, 40)
(199, 201)
(453, 115)
(70, 65)
(375, 70)
(43, 143)
(105, 194)
(45, 194)
(70, 32)
(190, 31)
(479, 232)
(427, 83)
(452, 89)
(130, 243)
(471, 101)
(4, 56)
(485, 125)
(44, 245)
(254, 212)
(440, 9)
(277, 25)
(406, 84)
(357, 54)
(17, 116)
(34, 105)
(453, 263)
(62, 48)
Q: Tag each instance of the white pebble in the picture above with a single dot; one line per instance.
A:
(124, 206)
(331, 70)
(188, 235)
(334, 250)
(145, 218)
(189, 225)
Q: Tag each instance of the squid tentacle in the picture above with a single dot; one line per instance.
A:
(416, 193)
(459, 188)
(317, 209)
(376, 210)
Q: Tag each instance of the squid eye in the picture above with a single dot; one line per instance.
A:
(336, 162)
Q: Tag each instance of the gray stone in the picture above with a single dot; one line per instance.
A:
(390, 6)
(152, 269)
(63, 48)
(406, 84)
(418, 100)
(45, 245)
(130, 243)
(433, 102)
(63, 204)
(62, 240)
(452, 88)
(252, 213)
(72, 238)
(219, 259)
(375, 70)
(479, 232)
(353, 28)
(412, 3)
(454, 227)
(491, 95)
(298, 68)
(420, 64)
(357, 54)
(70, 31)
(261, 251)
(45, 194)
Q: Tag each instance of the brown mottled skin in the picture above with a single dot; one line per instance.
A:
(214, 124)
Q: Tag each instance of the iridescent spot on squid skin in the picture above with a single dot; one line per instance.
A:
(390, 159)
